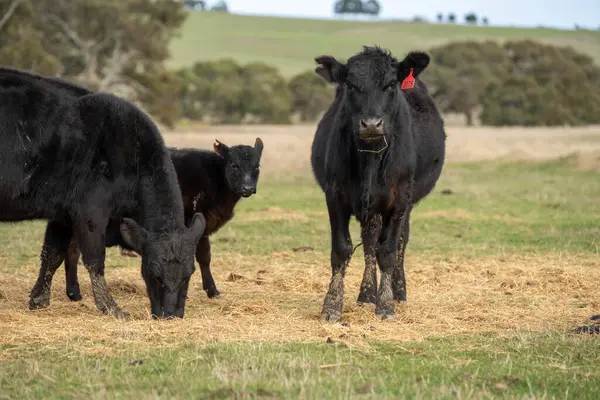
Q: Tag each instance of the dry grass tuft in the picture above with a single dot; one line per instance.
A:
(281, 296)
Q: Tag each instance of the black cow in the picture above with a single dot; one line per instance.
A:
(80, 161)
(211, 183)
(378, 150)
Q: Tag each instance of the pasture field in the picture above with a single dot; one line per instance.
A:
(503, 261)
(292, 44)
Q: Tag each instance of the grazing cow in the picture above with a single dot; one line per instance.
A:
(377, 151)
(211, 183)
(80, 161)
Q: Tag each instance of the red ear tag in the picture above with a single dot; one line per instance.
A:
(409, 81)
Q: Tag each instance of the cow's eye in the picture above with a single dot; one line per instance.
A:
(391, 86)
(352, 87)
(235, 167)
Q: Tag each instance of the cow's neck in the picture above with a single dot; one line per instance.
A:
(161, 203)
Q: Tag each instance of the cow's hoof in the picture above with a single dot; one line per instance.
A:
(119, 313)
(592, 330)
(128, 253)
(367, 299)
(385, 313)
(331, 315)
(386, 316)
(40, 301)
(74, 295)
(213, 293)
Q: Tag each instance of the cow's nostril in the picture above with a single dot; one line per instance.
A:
(363, 124)
(379, 123)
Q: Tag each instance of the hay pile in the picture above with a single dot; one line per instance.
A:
(278, 298)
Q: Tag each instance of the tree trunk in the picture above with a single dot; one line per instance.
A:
(469, 117)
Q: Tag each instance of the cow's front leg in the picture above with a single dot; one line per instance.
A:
(369, 234)
(341, 253)
(90, 235)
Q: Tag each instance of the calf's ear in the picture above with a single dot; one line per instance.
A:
(331, 69)
(258, 146)
(133, 234)
(197, 227)
(221, 149)
(415, 60)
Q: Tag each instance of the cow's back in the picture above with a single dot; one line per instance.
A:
(430, 138)
(29, 131)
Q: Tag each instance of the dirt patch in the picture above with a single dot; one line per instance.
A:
(276, 214)
(282, 295)
(450, 214)
(287, 148)
(460, 214)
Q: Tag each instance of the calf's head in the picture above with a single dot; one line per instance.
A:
(370, 84)
(167, 263)
(242, 166)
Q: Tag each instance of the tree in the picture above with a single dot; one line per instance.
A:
(452, 18)
(471, 18)
(220, 6)
(310, 95)
(195, 4)
(370, 7)
(112, 45)
(460, 72)
(223, 91)
(20, 43)
(485, 21)
(440, 17)
(520, 83)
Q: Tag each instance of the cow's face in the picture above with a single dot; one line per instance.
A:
(242, 166)
(167, 263)
(371, 87)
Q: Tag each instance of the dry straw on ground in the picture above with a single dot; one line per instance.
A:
(274, 300)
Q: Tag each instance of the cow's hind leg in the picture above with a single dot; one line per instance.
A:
(203, 257)
(341, 252)
(398, 277)
(54, 251)
(71, 261)
(393, 225)
(90, 235)
(369, 233)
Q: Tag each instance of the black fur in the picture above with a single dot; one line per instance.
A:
(80, 159)
(378, 150)
(211, 183)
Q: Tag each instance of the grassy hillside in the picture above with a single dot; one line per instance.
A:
(292, 44)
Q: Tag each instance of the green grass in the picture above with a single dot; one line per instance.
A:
(495, 209)
(292, 44)
(542, 366)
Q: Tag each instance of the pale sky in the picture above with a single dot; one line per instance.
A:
(556, 13)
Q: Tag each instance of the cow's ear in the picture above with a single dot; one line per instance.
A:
(258, 146)
(134, 235)
(415, 60)
(221, 149)
(331, 69)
